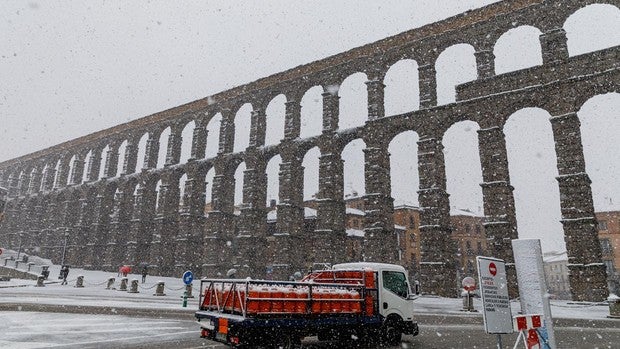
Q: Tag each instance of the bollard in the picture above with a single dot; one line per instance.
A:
(188, 290)
(123, 284)
(6, 261)
(45, 271)
(159, 291)
(79, 282)
(184, 299)
(40, 279)
(614, 307)
(468, 301)
(110, 284)
(134, 286)
(30, 264)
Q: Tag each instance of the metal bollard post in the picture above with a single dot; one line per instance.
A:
(79, 282)
(468, 301)
(614, 307)
(159, 291)
(123, 284)
(45, 271)
(40, 279)
(188, 290)
(110, 284)
(184, 299)
(134, 286)
(6, 261)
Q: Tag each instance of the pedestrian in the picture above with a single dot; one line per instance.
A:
(65, 273)
(145, 270)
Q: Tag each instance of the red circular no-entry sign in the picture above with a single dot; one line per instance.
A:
(469, 284)
(492, 268)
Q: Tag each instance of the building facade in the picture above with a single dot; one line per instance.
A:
(609, 237)
(556, 274)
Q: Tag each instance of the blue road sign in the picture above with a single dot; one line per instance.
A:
(188, 277)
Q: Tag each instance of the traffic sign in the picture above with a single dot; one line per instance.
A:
(0, 251)
(188, 277)
(492, 269)
(494, 293)
(469, 284)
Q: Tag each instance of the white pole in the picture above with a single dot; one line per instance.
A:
(533, 291)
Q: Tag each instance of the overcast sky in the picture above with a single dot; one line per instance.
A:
(69, 68)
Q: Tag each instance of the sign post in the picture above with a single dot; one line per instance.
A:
(188, 277)
(495, 301)
(469, 286)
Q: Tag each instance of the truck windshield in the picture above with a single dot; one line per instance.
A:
(396, 282)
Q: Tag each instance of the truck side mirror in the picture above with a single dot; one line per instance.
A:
(416, 291)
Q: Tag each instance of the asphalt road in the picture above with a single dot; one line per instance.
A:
(25, 330)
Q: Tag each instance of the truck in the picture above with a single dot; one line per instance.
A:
(366, 302)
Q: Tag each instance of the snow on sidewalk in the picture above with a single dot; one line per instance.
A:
(94, 293)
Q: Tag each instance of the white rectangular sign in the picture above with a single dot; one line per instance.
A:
(494, 293)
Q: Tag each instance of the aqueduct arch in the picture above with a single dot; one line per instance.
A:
(116, 202)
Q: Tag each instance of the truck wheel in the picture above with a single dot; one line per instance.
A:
(284, 341)
(390, 332)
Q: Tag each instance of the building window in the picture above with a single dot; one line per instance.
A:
(470, 268)
(479, 245)
(467, 228)
(411, 222)
(605, 246)
(477, 229)
(602, 225)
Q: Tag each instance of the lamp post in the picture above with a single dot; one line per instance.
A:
(64, 248)
(19, 249)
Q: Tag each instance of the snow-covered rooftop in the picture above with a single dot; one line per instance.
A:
(272, 215)
(464, 212)
(555, 256)
(355, 211)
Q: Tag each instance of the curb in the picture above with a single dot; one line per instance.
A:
(179, 314)
(464, 319)
(424, 319)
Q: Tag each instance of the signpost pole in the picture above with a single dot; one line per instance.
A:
(495, 301)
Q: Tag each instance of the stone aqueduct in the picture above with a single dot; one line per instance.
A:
(115, 219)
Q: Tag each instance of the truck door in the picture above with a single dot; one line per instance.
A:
(394, 293)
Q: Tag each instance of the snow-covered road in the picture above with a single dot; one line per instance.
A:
(26, 330)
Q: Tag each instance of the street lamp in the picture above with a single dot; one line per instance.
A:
(19, 249)
(64, 248)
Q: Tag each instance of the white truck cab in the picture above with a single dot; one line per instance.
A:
(395, 297)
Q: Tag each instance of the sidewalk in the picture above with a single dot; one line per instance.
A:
(94, 298)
